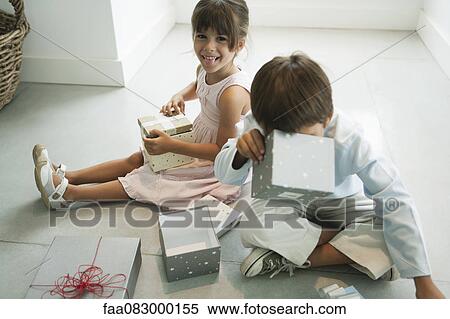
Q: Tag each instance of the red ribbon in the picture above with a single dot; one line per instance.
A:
(88, 278)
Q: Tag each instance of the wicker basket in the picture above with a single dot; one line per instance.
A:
(13, 29)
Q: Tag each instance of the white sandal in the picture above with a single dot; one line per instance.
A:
(52, 196)
(40, 154)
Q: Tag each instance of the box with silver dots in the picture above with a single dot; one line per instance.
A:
(189, 248)
(295, 166)
(169, 160)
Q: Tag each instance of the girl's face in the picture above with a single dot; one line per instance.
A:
(212, 50)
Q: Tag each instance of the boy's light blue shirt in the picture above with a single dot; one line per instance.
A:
(358, 168)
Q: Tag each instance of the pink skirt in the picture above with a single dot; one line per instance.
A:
(177, 187)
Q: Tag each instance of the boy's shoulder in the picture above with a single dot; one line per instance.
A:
(343, 129)
(248, 123)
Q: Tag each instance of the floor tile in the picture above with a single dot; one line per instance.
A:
(18, 267)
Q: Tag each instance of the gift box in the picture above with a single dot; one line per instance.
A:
(295, 166)
(223, 217)
(335, 292)
(170, 125)
(189, 244)
(88, 267)
(170, 160)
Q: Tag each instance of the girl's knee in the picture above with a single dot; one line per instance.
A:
(136, 160)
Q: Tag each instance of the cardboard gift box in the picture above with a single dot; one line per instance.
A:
(107, 268)
(170, 125)
(189, 246)
(170, 160)
(295, 166)
(223, 217)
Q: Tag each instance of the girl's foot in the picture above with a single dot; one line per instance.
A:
(40, 154)
(51, 186)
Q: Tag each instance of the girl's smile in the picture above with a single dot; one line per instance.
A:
(210, 60)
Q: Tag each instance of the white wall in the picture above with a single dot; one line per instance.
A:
(133, 20)
(140, 25)
(361, 14)
(70, 23)
(438, 11)
(435, 20)
(115, 36)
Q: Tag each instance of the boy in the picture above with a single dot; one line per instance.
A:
(293, 94)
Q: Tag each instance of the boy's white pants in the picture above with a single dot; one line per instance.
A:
(293, 231)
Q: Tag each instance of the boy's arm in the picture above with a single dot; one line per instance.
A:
(223, 165)
(229, 167)
(402, 231)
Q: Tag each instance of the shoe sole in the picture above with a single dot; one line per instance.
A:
(41, 188)
(37, 151)
(256, 255)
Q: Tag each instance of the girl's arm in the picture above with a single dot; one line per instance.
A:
(232, 103)
(176, 104)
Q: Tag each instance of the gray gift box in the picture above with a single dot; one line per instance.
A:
(66, 254)
(295, 166)
(189, 244)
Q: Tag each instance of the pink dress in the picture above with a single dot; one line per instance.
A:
(178, 186)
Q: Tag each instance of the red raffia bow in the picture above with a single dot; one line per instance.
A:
(88, 278)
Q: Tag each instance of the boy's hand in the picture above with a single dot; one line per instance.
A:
(159, 145)
(174, 107)
(251, 145)
(426, 289)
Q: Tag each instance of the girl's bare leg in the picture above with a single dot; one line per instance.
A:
(105, 172)
(325, 254)
(109, 191)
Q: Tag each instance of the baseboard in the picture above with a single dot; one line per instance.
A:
(335, 18)
(435, 41)
(367, 14)
(72, 71)
(115, 72)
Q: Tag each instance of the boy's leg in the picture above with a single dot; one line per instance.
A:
(105, 172)
(282, 228)
(360, 244)
(327, 255)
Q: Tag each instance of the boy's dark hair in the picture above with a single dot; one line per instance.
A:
(289, 93)
(226, 17)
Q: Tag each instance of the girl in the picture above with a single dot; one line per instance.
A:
(219, 29)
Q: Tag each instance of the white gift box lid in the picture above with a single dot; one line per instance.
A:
(303, 161)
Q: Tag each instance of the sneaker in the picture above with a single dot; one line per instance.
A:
(262, 261)
(390, 275)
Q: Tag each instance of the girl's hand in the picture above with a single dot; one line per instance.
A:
(251, 145)
(174, 107)
(159, 145)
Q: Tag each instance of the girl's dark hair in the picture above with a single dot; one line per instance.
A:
(226, 17)
(289, 93)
